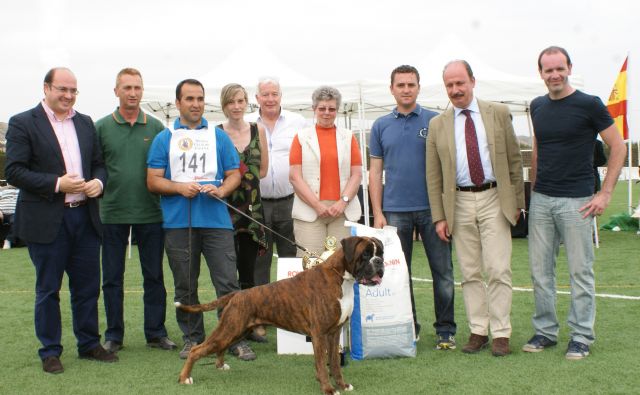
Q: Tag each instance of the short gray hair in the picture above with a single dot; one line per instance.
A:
(268, 80)
(325, 92)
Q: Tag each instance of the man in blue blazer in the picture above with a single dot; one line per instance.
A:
(54, 158)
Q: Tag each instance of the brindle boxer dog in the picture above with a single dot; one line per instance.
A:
(315, 302)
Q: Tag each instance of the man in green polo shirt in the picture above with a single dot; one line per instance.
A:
(125, 137)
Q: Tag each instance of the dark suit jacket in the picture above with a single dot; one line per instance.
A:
(34, 162)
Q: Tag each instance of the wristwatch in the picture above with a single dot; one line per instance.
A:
(345, 199)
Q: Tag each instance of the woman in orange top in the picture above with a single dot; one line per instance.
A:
(325, 171)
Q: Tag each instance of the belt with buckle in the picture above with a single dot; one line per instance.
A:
(478, 188)
(75, 204)
(277, 199)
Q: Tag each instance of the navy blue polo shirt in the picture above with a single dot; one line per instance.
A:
(400, 141)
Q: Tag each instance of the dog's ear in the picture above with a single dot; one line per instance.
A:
(349, 247)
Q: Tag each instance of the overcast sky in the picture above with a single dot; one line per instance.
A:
(331, 40)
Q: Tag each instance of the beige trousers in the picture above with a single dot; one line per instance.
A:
(482, 239)
(312, 235)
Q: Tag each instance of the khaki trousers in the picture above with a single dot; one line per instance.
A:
(482, 238)
(311, 235)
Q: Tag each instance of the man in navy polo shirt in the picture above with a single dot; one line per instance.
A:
(397, 147)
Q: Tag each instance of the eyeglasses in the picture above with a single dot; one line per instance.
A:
(65, 90)
(326, 109)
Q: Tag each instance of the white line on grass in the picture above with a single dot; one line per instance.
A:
(610, 296)
(424, 280)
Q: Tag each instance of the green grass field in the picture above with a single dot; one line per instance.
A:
(612, 367)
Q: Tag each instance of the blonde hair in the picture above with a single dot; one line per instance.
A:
(228, 93)
(127, 71)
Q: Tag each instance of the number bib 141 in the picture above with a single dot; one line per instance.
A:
(193, 155)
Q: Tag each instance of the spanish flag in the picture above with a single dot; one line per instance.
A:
(617, 104)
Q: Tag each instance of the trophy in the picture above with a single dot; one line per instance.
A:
(311, 259)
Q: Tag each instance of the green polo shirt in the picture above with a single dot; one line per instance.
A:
(126, 198)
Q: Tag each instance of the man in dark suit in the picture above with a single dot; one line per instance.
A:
(474, 179)
(54, 158)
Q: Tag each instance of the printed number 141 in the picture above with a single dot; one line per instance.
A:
(193, 162)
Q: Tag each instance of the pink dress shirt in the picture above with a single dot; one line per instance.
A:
(67, 138)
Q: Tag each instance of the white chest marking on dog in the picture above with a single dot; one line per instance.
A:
(346, 302)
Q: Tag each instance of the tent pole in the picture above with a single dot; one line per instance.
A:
(363, 153)
(529, 124)
(629, 208)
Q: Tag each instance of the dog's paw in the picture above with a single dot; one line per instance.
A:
(224, 367)
(348, 387)
(177, 304)
(188, 380)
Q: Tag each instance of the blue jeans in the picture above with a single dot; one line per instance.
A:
(439, 256)
(553, 220)
(219, 252)
(149, 238)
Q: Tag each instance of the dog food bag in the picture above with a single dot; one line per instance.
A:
(382, 322)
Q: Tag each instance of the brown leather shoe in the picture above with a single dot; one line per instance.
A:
(475, 344)
(99, 354)
(500, 347)
(52, 365)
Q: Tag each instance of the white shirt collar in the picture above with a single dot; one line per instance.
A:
(473, 107)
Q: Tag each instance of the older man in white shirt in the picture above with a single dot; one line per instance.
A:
(276, 191)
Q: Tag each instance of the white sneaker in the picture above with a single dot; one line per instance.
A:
(7, 245)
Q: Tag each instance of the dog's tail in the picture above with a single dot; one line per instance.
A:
(199, 308)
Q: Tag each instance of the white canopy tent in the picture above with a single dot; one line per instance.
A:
(361, 99)
(245, 66)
